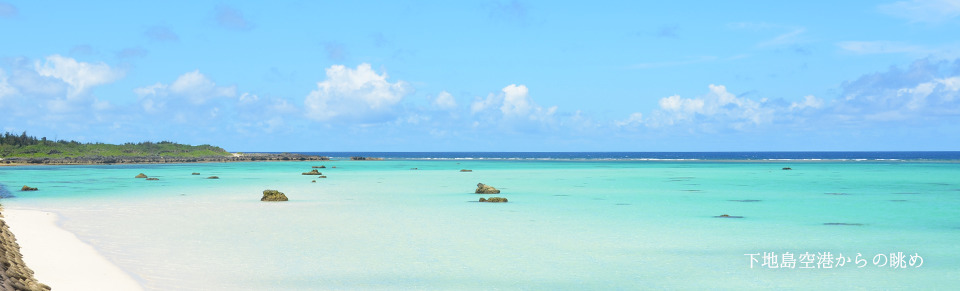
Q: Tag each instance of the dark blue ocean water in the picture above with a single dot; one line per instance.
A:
(720, 156)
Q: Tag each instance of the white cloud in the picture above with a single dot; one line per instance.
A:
(514, 102)
(155, 89)
(809, 101)
(194, 86)
(445, 101)
(200, 88)
(718, 108)
(930, 11)
(635, 119)
(5, 88)
(483, 104)
(247, 98)
(925, 91)
(354, 94)
(79, 75)
(930, 95)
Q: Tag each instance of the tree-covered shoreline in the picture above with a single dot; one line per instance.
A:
(25, 146)
(23, 149)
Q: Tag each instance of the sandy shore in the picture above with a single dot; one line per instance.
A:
(61, 260)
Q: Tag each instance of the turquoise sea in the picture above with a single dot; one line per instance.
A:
(573, 221)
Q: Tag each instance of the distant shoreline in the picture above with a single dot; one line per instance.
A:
(113, 160)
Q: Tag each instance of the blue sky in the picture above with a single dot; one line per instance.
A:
(486, 75)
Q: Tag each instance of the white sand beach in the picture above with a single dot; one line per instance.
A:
(61, 260)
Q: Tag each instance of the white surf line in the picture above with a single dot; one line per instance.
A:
(61, 260)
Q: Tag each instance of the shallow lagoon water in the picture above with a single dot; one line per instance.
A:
(570, 224)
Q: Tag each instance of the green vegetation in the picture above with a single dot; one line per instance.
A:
(12, 145)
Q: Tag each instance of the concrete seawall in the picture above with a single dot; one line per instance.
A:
(15, 275)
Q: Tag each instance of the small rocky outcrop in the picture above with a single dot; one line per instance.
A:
(195, 173)
(486, 189)
(141, 175)
(321, 177)
(727, 216)
(153, 179)
(28, 188)
(319, 167)
(786, 168)
(313, 172)
(273, 195)
(314, 181)
(493, 199)
(213, 177)
(365, 159)
(465, 171)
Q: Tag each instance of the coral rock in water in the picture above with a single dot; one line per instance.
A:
(314, 172)
(494, 199)
(273, 195)
(486, 189)
(141, 175)
(28, 188)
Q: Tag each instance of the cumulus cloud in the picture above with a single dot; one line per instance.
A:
(925, 90)
(809, 102)
(200, 88)
(514, 102)
(54, 90)
(930, 11)
(193, 87)
(716, 107)
(634, 119)
(79, 75)
(232, 18)
(354, 95)
(5, 88)
(445, 101)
